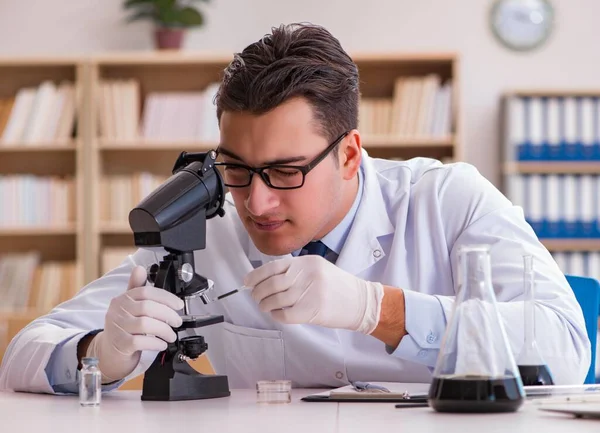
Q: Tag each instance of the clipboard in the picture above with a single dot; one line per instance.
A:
(418, 393)
(584, 410)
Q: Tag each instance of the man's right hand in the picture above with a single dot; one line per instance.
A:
(139, 319)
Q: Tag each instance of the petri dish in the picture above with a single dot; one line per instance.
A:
(274, 391)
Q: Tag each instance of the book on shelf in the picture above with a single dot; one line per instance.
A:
(38, 115)
(165, 116)
(419, 108)
(552, 128)
(16, 278)
(29, 200)
(122, 192)
(563, 204)
(558, 206)
(584, 264)
(27, 283)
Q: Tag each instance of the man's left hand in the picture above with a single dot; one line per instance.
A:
(309, 289)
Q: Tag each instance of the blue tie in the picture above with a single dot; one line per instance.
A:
(318, 248)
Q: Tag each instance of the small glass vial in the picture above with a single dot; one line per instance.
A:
(90, 386)
(274, 391)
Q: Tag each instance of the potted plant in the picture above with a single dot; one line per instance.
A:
(171, 19)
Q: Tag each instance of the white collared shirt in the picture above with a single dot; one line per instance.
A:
(336, 238)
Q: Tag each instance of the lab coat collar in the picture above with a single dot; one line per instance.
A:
(362, 248)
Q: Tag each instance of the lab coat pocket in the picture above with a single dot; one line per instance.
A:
(252, 354)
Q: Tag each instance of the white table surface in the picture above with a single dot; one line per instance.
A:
(123, 411)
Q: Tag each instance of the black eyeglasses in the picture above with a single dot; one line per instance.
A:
(276, 176)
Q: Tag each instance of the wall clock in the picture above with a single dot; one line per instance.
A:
(522, 25)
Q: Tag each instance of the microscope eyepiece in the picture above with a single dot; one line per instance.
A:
(180, 206)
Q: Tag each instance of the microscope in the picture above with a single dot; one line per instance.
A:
(174, 217)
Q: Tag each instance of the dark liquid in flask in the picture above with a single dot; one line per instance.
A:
(535, 375)
(475, 394)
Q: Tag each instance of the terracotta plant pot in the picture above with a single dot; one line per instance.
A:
(169, 39)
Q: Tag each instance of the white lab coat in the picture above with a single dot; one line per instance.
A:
(412, 218)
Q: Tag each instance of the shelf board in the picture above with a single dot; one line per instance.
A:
(67, 146)
(566, 245)
(368, 141)
(163, 57)
(552, 167)
(28, 314)
(48, 61)
(163, 145)
(66, 230)
(380, 141)
(115, 228)
(555, 92)
(418, 57)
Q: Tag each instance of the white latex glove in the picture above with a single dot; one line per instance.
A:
(309, 289)
(139, 319)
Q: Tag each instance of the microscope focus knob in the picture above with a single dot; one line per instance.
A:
(152, 273)
(186, 273)
(193, 346)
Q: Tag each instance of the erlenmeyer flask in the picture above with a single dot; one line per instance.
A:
(475, 370)
(533, 369)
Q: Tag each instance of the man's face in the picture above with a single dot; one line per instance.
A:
(281, 221)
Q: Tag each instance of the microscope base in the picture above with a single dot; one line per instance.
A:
(165, 383)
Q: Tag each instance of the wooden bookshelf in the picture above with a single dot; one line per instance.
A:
(115, 228)
(147, 145)
(32, 231)
(532, 179)
(549, 92)
(378, 75)
(54, 242)
(551, 167)
(378, 141)
(114, 157)
(571, 245)
(38, 147)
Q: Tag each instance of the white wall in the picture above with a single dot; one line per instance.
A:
(569, 60)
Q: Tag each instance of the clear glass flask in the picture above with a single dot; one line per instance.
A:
(475, 369)
(533, 369)
(90, 383)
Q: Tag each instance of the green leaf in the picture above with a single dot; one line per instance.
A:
(167, 13)
(165, 5)
(136, 3)
(165, 10)
(190, 17)
(167, 17)
(144, 15)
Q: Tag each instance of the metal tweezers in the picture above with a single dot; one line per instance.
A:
(368, 387)
(409, 401)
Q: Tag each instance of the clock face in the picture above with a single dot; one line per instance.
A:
(522, 24)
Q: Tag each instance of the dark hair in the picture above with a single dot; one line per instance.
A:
(294, 60)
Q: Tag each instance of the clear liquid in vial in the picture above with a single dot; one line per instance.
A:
(90, 383)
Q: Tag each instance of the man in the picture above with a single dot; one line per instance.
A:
(351, 261)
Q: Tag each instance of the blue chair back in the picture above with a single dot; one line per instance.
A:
(587, 292)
